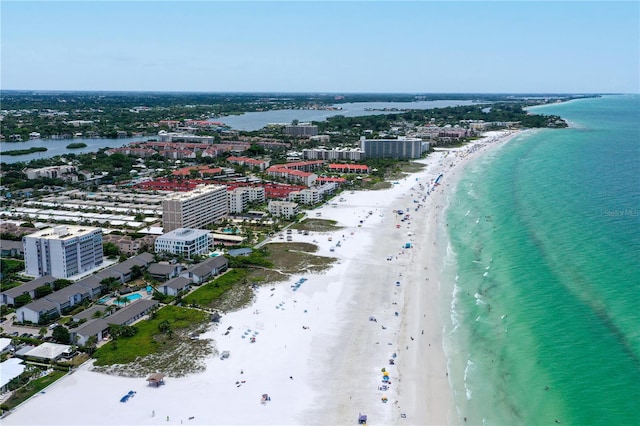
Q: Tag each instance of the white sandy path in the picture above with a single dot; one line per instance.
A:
(335, 361)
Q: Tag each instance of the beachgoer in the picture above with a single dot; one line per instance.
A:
(153, 413)
(167, 418)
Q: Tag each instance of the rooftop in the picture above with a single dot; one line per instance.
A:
(184, 233)
(199, 190)
(63, 232)
(49, 351)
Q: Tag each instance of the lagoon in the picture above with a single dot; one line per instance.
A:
(59, 147)
(249, 121)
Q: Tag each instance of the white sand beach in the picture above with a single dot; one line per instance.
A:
(318, 353)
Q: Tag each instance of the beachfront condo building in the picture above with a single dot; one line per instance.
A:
(241, 197)
(185, 242)
(403, 147)
(285, 209)
(352, 154)
(195, 209)
(63, 251)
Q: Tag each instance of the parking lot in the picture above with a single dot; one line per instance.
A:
(8, 328)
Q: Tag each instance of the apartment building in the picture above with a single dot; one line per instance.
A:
(54, 172)
(239, 198)
(306, 196)
(349, 168)
(402, 147)
(301, 130)
(184, 241)
(285, 209)
(292, 175)
(195, 209)
(348, 154)
(249, 162)
(314, 195)
(63, 251)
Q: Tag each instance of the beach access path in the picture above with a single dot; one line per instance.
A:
(312, 346)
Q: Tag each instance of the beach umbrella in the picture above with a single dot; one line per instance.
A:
(385, 374)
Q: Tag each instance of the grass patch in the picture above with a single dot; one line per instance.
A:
(297, 258)
(213, 290)
(379, 185)
(317, 225)
(32, 388)
(266, 276)
(411, 167)
(402, 169)
(149, 339)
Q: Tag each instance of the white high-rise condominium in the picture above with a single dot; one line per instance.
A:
(195, 209)
(63, 251)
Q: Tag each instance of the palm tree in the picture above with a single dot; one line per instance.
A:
(91, 344)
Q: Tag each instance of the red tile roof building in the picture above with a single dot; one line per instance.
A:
(349, 168)
(339, 181)
(250, 162)
(292, 175)
(305, 166)
(198, 170)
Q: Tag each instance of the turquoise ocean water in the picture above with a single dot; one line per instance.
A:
(544, 266)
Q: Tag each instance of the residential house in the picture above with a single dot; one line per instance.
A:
(110, 273)
(164, 271)
(129, 314)
(9, 370)
(8, 297)
(93, 327)
(125, 268)
(201, 272)
(90, 313)
(9, 248)
(68, 297)
(174, 286)
(36, 310)
(92, 283)
(49, 352)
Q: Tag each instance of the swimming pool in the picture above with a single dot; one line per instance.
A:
(104, 299)
(130, 298)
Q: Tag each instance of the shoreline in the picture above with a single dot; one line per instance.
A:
(317, 353)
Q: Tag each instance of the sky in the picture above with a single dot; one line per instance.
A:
(327, 47)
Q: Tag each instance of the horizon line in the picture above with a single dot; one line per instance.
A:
(311, 92)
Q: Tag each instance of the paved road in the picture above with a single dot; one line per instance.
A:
(8, 327)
